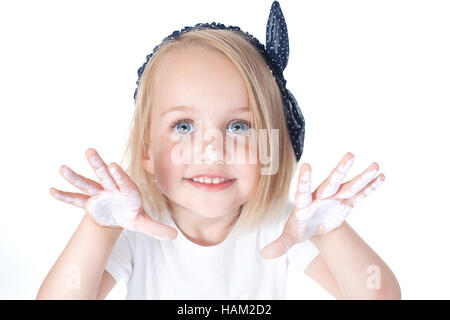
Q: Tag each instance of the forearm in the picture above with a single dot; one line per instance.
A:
(360, 272)
(78, 271)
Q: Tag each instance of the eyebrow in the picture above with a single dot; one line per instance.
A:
(189, 108)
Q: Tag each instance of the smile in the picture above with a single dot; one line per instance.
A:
(215, 184)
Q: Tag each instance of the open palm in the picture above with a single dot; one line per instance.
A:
(115, 202)
(327, 207)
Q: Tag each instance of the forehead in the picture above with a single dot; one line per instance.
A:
(200, 77)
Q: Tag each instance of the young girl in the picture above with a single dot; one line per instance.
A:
(218, 227)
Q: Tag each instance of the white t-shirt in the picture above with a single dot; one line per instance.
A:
(182, 269)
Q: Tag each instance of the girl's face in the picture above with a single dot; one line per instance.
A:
(213, 110)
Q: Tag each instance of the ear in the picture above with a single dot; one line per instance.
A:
(148, 165)
(147, 162)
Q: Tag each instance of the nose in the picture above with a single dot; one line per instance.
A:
(211, 154)
(209, 147)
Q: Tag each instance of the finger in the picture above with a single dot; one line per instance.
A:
(89, 186)
(334, 180)
(278, 247)
(374, 185)
(121, 178)
(349, 189)
(303, 197)
(154, 228)
(99, 167)
(77, 199)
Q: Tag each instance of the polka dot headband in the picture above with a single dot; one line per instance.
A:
(275, 53)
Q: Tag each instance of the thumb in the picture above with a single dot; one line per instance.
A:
(278, 247)
(154, 228)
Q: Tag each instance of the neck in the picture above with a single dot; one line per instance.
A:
(205, 231)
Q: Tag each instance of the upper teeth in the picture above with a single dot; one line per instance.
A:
(209, 180)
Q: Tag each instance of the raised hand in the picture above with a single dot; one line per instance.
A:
(115, 202)
(327, 207)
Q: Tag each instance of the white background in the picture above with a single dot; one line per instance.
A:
(371, 77)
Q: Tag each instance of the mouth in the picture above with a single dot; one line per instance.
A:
(216, 184)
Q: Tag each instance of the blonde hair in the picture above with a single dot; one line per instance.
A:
(270, 194)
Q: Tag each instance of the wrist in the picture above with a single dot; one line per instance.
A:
(320, 238)
(113, 230)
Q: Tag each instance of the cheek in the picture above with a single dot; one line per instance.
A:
(245, 151)
(167, 173)
(166, 148)
(248, 176)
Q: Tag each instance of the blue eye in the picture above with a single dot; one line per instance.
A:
(237, 126)
(183, 127)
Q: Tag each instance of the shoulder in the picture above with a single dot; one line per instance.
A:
(130, 238)
(139, 239)
(126, 239)
(136, 244)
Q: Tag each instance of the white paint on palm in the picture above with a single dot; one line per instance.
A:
(112, 208)
(326, 214)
